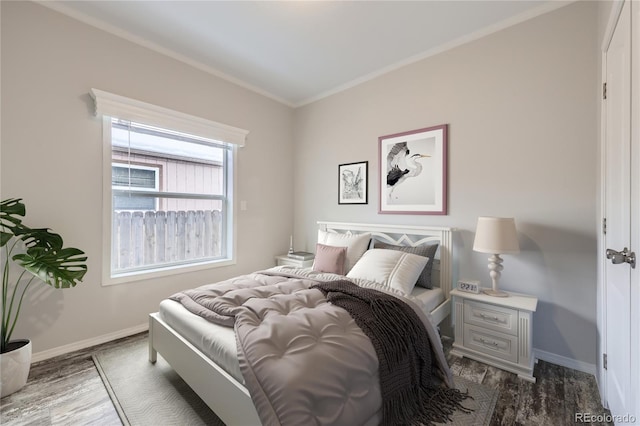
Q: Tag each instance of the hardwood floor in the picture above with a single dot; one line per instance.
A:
(558, 394)
(67, 390)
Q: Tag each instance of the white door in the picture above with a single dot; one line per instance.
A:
(618, 204)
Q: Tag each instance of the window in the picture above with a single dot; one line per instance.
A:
(179, 219)
(168, 192)
(133, 178)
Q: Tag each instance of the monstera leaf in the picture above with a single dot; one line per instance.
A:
(9, 221)
(39, 237)
(62, 268)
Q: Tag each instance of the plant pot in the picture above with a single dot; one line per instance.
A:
(14, 367)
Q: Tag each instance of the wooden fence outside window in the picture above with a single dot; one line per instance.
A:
(148, 238)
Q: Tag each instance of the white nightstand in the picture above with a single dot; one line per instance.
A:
(283, 259)
(495, 330)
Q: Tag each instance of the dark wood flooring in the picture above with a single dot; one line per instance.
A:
(557, 396)
(67, 390)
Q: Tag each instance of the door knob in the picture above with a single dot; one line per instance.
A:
(624, 256)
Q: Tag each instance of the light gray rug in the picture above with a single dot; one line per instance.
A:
(149, 394)
(154, 394)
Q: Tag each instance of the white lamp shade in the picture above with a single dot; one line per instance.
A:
(496, 235)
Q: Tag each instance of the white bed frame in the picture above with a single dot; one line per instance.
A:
(227, 397)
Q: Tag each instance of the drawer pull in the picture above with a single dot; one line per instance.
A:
(493, 318)
(489, 342)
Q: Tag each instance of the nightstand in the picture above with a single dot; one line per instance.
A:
(495, 330)
(283, 259)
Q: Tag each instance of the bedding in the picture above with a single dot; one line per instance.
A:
(389, 268)
(281, 339)
(218, 343)
(356, 244)
(428, 251)
(329, 259)
(411, 392)
(427, 299)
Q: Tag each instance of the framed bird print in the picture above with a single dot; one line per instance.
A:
(413, 172)
(353, 183)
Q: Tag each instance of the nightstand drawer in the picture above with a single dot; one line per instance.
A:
(500, 345)
(491, 317)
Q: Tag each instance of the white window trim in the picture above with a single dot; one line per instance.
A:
(109, 105)
(112, 105)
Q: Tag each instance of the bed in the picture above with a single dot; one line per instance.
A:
(204, 354)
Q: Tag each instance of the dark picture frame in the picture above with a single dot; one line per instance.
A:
(353, 183)
(413, 171)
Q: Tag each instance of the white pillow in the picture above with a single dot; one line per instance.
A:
(390, 268)
(356, 244)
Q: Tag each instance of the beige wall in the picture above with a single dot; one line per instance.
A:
(521, 105)
(52, 157)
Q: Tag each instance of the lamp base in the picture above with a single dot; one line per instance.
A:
(495, 293)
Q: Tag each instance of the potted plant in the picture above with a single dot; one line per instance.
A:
(41, 256)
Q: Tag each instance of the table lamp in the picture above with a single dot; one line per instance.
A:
(496, 235)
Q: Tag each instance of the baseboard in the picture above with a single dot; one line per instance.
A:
(564, 361)
(83, 344)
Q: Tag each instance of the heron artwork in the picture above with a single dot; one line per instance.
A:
(401, 165)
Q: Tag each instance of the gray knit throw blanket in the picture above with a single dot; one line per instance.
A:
(411, 393)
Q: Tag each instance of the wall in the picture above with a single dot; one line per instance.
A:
(521, 105)
(52, 158)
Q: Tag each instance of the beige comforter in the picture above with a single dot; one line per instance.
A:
(304, 360)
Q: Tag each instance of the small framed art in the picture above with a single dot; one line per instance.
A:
(353, 183)
(413, 172)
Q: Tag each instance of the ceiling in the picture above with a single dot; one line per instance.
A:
(300, 51)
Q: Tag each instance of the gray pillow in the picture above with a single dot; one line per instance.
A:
(424, 280)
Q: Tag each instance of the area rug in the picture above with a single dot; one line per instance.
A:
(154, 394)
